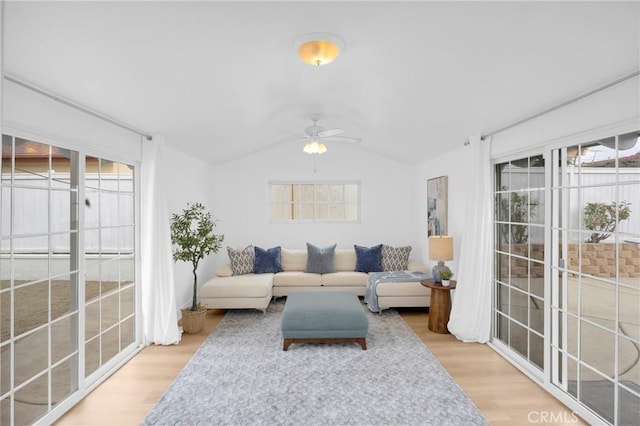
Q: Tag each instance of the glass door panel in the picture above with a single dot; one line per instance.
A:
(595, 282)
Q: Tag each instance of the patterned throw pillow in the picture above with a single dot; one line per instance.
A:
(267, 261)
(242, 260)
(395, 258)
(368, 259)
(320, 260)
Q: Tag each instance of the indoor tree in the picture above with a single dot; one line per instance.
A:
(192, 233)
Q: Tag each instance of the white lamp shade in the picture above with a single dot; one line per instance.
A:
(441, 248)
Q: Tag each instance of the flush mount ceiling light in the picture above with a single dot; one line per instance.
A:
(315, 147)
(319, 48)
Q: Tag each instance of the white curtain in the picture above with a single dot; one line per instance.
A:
(470, 319)
(159, 317)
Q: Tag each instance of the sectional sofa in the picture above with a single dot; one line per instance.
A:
(229, 290)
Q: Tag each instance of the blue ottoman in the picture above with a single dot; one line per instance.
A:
(324, 317)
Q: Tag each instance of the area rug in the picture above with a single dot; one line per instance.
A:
(241, 375)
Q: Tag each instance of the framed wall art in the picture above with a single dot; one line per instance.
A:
(437, 206)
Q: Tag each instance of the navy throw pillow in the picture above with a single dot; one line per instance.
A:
(369, 259)
(267, 261)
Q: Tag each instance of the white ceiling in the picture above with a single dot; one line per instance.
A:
(416, 79)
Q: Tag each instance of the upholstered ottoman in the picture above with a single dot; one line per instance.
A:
(324, 317)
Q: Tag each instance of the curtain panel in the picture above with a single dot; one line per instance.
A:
(159, 311)
(470, 319)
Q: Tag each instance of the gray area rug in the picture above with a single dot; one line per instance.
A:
(241, 375)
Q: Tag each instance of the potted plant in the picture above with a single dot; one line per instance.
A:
(445, 276)
(192, 234)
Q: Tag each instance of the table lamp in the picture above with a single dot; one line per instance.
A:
(440, 249)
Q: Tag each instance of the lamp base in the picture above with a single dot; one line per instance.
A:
(437, 269)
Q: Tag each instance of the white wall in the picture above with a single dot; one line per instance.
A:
(456, 166)
(189, 180)
(242, 195)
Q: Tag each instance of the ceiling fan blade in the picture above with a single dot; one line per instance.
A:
(343, 139)
(330, 132)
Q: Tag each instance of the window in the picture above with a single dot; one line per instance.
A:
(313, 202)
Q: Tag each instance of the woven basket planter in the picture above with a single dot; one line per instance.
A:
(193, 321)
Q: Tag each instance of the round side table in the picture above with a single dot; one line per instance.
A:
(439, 306)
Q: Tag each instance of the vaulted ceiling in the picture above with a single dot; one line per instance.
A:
(222, 79)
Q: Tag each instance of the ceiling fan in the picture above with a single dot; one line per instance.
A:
(314, 136)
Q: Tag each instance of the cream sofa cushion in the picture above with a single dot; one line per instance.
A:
(248, 285)
(293, 260)
(345, 260)
(340, 279)
(296, 279)
(413, 289)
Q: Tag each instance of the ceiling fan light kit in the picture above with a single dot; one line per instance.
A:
(314, 135)
(315, 147)
(319, 48)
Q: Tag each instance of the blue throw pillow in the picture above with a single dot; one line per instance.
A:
(320, 260)
(369, 259)
(267, 261)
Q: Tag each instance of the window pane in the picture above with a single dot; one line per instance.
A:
(280, 193)
(126, 209)
(126, 236)
(33, 205)
(28, 357)
(31, 307)
(125, 174)
(35, 394)
(336, 211)
(5, 207)
(7, 152)
(303, 193)
(31, 163)
(322, 193)
(109, 210)
(351, 211)
(351, 193)
(336, 193)
(91, 356)
(63, 338)
(63, 296)
(62, 378)
(110, 344)
(61, 168)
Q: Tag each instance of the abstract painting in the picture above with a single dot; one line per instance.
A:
(437, 206)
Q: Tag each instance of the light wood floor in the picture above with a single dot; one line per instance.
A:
(503, 394)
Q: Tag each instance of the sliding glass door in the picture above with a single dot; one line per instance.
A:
(67, 281)
(567, 277)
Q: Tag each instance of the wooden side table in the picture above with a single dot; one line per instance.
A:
(440, 305)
